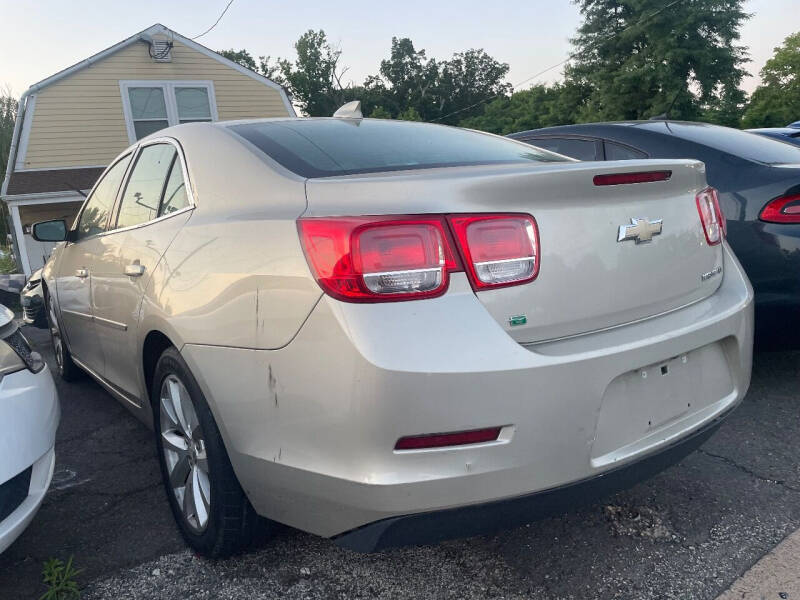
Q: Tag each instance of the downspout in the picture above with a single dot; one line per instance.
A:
(12, 159)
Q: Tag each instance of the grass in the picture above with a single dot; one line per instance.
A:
(59, 577)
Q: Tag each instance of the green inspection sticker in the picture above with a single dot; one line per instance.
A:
(517, 320)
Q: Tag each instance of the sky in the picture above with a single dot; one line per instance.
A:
(46, 36)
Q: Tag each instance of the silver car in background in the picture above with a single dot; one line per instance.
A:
(386, 332)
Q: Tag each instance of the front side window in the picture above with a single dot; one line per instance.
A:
(94, 216)
(152, 106)
(142, 195)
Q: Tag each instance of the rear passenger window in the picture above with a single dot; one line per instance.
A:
(145, 186)
(620, 152)
(175, 197)
(572, 147)
(95, 214)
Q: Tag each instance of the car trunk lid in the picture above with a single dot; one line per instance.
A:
(588, 279)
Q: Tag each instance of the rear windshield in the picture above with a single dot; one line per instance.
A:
(749, 146)
(329, 147)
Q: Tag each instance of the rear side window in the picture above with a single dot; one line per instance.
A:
(94, 216)
(329, 147)
(620, 152)
(175, 197)
(145, 186)
(572, 147)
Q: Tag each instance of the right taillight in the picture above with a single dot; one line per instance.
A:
(714, 224)
(785, 209)
(498, 250)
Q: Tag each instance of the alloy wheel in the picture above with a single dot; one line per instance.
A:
(185, 455)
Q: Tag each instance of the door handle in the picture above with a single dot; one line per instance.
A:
(134, 270)
(82, 273)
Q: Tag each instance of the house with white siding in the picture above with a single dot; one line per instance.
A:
(71, 125)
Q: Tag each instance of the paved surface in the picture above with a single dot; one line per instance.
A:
(777, 575)
(687, 533)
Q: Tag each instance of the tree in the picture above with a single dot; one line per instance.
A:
(643, 57)
(538, 106)
(8, 115)
(776, 102)
(243, 57)
(315, 77)
(446, 91)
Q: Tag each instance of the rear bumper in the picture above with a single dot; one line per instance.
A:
(310, 428)
(477, 519)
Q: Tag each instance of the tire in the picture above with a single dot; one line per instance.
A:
(212, 511)
(66, 367)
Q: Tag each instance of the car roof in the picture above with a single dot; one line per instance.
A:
(788, 131)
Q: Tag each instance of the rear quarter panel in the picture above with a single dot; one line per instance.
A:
(235, 275)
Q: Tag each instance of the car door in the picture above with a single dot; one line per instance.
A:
(153, 206)
(76, 264)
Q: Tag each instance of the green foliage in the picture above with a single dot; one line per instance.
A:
(539, 106)
(380, 113)
(409, 86)
(8, 114)
(59, 577)
(641, 58)
(776, 102)
(7, 264)
(243, 57)
(410, 114)
(446, 91)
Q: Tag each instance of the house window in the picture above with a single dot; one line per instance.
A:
(150, 106)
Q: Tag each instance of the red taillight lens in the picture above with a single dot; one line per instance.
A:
(626, 178)
(440, 440)
(714, 224)
(374, 259)
(782, 210)
(498, 250)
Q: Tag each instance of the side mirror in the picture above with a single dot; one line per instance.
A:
(49, 231)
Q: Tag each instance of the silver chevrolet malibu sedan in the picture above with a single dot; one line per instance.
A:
(386, 332)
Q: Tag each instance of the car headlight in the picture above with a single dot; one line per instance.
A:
(15, 351)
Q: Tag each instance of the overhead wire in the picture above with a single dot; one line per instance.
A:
(215, 22)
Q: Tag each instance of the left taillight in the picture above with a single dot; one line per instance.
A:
(711, 216)
(381, 258)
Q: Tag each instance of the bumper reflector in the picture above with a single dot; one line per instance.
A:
(440, 440)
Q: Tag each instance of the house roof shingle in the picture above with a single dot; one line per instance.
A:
(52, 180)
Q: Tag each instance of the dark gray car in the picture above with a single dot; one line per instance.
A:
(758, 179)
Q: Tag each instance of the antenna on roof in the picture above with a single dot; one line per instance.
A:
(351, 110)
(665, 115)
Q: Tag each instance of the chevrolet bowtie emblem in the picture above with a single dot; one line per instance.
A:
(641, 230)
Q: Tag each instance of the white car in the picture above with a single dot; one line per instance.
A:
(385, 332)
(29, 415)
